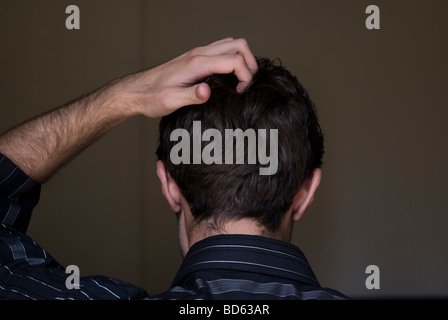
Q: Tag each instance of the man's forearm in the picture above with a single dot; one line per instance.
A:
(42, 145)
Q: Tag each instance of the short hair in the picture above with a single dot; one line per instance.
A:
(275, 99)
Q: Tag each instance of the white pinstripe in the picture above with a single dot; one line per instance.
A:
(276, 289)
(12, 214)
(17, 248)
(251, 264)
(250, 247)
(12, 172)
(18, 292)
(105, 289)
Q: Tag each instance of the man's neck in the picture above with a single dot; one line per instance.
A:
(243, 226)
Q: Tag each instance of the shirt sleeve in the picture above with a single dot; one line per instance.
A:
(19, 194)
(26, 270)
(29, 272)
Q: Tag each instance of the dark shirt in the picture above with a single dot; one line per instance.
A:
(220, 267)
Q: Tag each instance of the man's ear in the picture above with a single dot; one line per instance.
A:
(305, 196)
(170, 188)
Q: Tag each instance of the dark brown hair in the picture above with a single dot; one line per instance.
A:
(274, 100)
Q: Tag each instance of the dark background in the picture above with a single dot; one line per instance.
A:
(380, 94)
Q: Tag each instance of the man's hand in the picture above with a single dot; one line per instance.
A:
(163, 89)
(42, 145)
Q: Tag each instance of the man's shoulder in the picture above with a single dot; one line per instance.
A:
(246, 267)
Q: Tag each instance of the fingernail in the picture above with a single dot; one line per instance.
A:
(240, 87)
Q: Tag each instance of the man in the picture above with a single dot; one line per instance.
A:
(234, 223)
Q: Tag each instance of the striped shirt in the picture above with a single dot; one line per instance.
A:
(220, 267)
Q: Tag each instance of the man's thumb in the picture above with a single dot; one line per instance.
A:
(198, 94)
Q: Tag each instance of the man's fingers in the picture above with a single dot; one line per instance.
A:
(224, 64)
(229, 46)
(175, 83)
(221, 41)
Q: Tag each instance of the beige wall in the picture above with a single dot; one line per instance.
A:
(381, 96)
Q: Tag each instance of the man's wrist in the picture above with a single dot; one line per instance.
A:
(118, 101)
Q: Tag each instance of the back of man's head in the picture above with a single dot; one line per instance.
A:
(218, 193)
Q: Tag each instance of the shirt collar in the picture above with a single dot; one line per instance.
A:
(247, 253)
